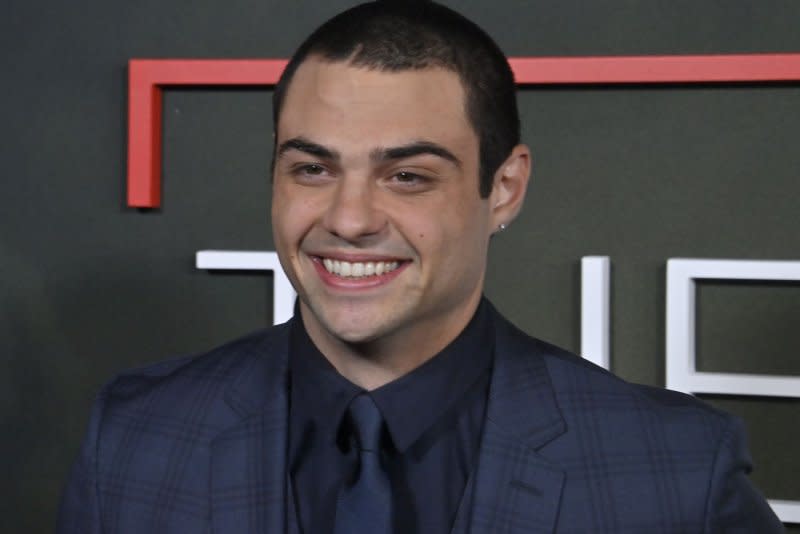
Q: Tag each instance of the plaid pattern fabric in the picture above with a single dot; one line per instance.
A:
(570, 448)
(198, 445)
(195, 445)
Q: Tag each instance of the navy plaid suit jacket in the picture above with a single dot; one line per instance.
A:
(198, 445)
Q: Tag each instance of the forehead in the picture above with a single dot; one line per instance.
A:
(347, 104)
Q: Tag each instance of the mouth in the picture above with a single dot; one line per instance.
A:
(358, 269)
(367, 272)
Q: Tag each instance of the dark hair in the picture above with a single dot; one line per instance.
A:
(397, 35)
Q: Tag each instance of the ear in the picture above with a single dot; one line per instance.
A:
(509, 186)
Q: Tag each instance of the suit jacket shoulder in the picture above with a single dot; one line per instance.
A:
(205, 378)
(168, 442)
(606, 454)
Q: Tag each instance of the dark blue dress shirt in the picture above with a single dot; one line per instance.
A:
(434, 416)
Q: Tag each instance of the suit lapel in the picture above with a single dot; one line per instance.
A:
(292, 523)
(464, 512)
(517, 490)
(248, 459)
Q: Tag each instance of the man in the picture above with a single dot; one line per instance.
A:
(397, 399)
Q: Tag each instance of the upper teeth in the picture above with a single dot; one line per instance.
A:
(358, 269)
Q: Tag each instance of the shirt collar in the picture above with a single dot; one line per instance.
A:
(319, 394)
(415, 402)
(411, 404)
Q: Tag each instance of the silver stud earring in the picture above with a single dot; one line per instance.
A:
(501, 227)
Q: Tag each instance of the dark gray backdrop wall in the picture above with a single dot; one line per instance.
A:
(90, 287)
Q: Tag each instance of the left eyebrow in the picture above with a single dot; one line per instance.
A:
(301, 144)
(414, 149)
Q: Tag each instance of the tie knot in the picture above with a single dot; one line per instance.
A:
(367, 422)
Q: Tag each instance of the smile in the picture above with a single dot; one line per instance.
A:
(354, 270)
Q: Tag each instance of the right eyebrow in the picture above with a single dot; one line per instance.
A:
(307, 146)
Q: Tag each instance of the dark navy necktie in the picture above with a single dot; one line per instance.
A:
(365, 506)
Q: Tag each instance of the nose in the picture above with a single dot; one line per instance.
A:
(353, 212)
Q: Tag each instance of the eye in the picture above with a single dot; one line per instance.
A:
(407, 177)
(409, 180)
(312, 169)
(310, 173)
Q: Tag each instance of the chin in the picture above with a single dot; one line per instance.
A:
(353, 335)
(357, 330)
(354, 323)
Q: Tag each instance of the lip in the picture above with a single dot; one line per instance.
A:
(362, 283)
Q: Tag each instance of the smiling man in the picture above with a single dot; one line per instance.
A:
(397, 400)
(377, 212)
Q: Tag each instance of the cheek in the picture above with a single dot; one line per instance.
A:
(467, 237)
(292, 213)
(449, 227)
(285, 230)
(452, 240)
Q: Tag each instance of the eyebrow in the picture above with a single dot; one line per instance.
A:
(380, 155)
(416, 148)
(309, 147)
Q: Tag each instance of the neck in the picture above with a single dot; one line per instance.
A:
(374, 363)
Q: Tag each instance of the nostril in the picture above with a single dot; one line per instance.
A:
(351, 218)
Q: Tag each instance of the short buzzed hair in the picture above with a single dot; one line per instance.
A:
(397, 35)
